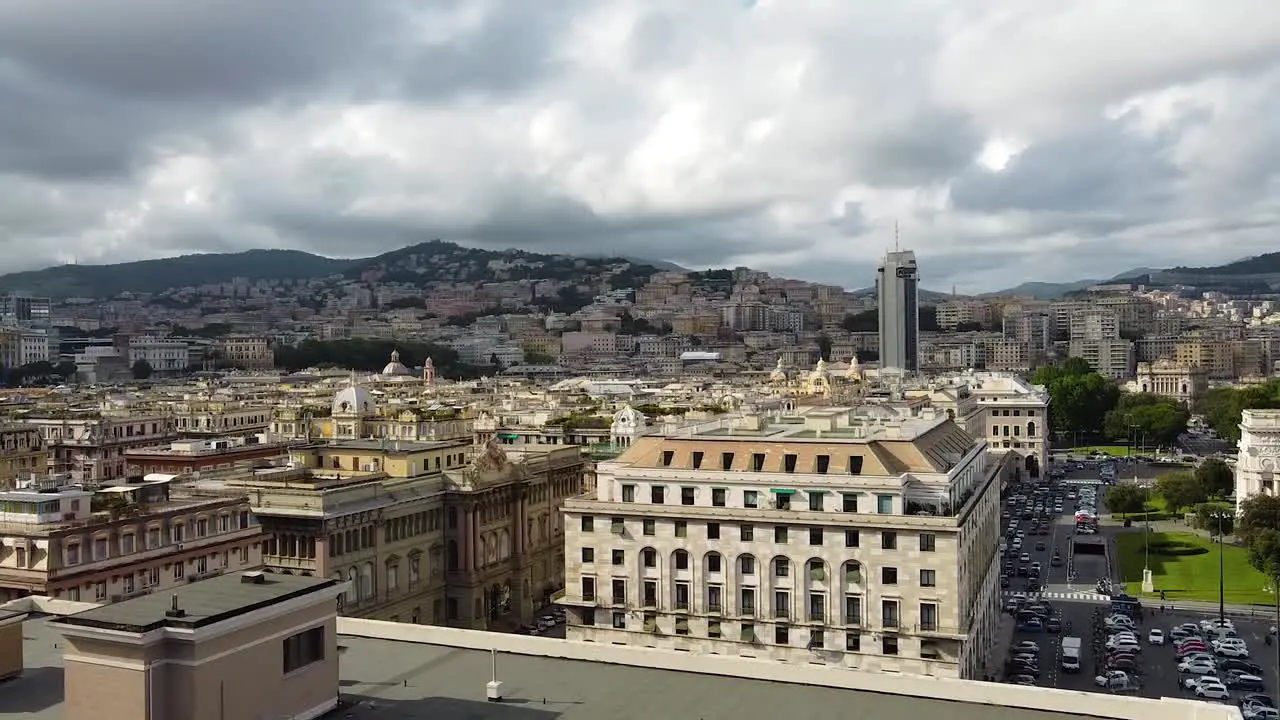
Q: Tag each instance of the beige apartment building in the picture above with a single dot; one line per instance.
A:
(250, 352)
(1184, 383)
(242, 646)
(216, 419)
(90, 447)
(65, 541)
(422, 532)
(22, 452)
(861, 537)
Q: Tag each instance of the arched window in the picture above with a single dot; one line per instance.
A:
(713, 563)
(853, 574)
(353, 586)
(680, 561)
(367, 589)
(1031, 429)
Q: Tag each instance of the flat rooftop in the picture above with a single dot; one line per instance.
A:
(390, 447)
(205, 602)
(388, 679)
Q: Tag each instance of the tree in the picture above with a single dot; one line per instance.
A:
(1221, 407)
(824, 347)
(66, 369)
(1216, 518)
(1159, 419)
(1258, 514)
(1215, 477)
(1080, 398)
(494, 361)
(1264, 553)
(141, 370)
(1180, 490)
(1126, 498)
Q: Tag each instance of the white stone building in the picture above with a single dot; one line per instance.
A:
(1259, 454)
(858, 537)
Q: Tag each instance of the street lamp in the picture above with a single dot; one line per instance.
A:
(1222, 595)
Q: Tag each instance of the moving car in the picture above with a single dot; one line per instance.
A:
(1156, 636)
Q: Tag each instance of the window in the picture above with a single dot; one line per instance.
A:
(928, 542)
(617, 526)
(757, 462)
(815, 536)
(697, 459)
(851, 538)
(667, 457)
(928, 578)
(713, 629)
(619, 557)
(650, 593)
(714, 598)
(781, 567)
(780, 533)
(153, 538)
(748, 532)
(747, 564)
(822, 463)
(619, 592)
(815, 500)
(713, 531)
(72, 555)
(747, 606)
(628, 493)
(202, 564)
(789, 462)
(853, 642)
(750, 499)
(682, 626)
(657, 494)
(852, 609)
(781, 604)
(687, 495)
(303, 649)
(179, 570)
(682, 560)
(889, 614)
(748, 633)
(817, 607)
(889, 645)
(127, 544)
(928, 616)
(782, 501)
(850, 502)
(817, 640)
(855, 464)
(726, 461)
(781, 635)
(713, 563)
(650, 527)
(888, 540)
(588, 589)
(682, 596)
(588, 555)
(884, 504)
(620, 621)
(100, 588)
(588, 524)
(682, 529)
(718, 497)
(889, 575)
(649, 557)
(100, 549)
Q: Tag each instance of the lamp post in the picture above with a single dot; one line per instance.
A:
(1222, 596)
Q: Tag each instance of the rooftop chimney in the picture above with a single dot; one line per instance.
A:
(174, 611)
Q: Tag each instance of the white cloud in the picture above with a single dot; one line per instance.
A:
(1009, 140)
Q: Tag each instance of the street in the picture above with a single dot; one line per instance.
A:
(1080, 608)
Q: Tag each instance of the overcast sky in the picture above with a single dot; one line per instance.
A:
(1009, 140)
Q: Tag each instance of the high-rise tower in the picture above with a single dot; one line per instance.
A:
(897, 291)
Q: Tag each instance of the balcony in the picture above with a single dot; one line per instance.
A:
(682, 605)
(817, 615)
(934, 629)
(715, 607)
(890, 622)
(156, 553)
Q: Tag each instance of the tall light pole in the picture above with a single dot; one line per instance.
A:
(1222, 595)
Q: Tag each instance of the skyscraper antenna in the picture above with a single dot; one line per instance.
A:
(895, 236)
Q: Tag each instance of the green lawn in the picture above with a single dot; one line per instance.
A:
(1185, 566)
(1112, 450)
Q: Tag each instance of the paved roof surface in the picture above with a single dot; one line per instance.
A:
(203, 602)
(390, 680)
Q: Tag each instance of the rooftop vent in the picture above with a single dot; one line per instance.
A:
(253, 577)
(174, 611)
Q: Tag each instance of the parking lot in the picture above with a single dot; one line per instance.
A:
(1069, 596)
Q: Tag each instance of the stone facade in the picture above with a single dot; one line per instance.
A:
(1259, 454)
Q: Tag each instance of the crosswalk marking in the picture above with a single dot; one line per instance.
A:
(1060, 595)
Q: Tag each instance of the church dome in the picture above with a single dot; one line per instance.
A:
(353, 400)
(395, 367)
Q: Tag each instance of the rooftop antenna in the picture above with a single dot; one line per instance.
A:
(895, 236)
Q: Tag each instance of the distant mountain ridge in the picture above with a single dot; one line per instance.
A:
(1054, 291)
(419, 264)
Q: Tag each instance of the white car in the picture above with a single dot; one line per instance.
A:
(1210, 689)
(1197, 667)
(1231, 648)
(1156, 636)
(1027, 646)
(1260, 712)
(1112, 679)
(1224, 623)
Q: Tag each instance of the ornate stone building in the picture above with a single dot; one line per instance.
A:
(1259, 453)
(1179, 381)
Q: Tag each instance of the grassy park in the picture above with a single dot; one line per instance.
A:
(1185, 566)
(1112, 450)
